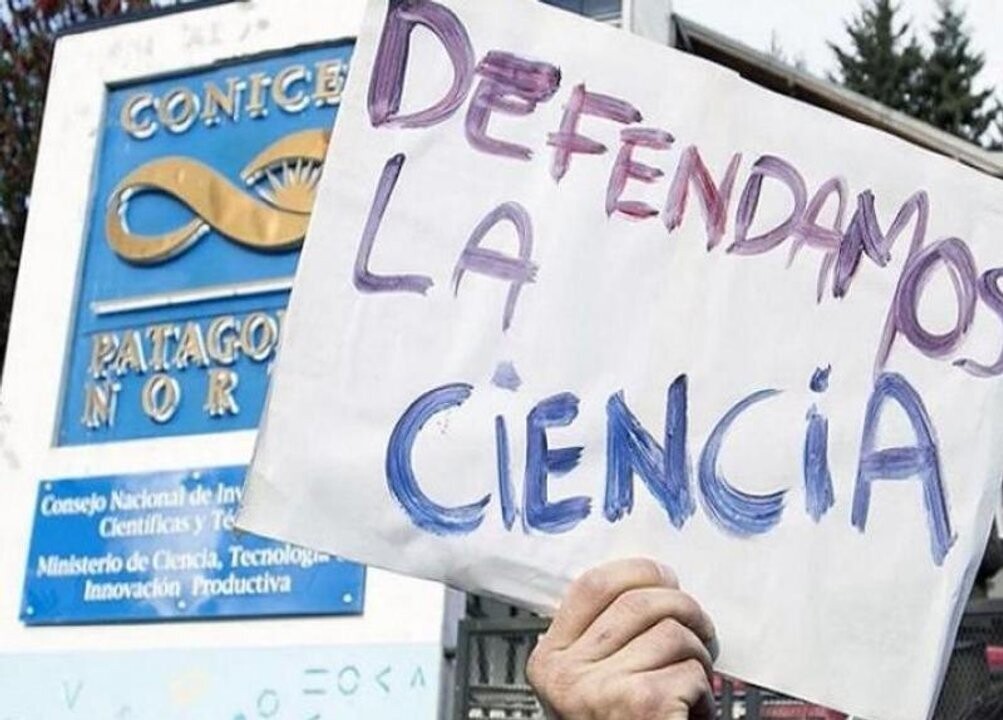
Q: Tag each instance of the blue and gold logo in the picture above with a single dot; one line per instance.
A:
(203, 192)
(277, 222)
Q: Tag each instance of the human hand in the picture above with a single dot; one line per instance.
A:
(626, 644)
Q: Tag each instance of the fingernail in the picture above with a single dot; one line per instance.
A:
(713, 648)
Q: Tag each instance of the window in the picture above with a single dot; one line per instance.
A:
(603, 9)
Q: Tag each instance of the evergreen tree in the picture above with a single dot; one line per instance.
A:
(27, 33)
(778, 53)
(946, 96)
(995, 140)
(884, 60)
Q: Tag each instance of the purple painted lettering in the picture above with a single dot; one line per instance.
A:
(510, 85)
(568, 141)
(515, 270)
(810, 233)
(989, 291)
(864, 236)
(627, 168)
(903, 315)
(714, 200)
(781, 170)
(364, 280)
(386, 86)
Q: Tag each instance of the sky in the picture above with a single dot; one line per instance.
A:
(802, 27)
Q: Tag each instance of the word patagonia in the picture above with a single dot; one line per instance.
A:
(663, 467)
(154, 352)
(291, 89)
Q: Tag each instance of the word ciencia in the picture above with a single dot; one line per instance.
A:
(664, 469)
(157, 352)
(505, 83)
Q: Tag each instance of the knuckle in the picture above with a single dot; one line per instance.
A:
(695, 674)
(635, 603)
(563, 678)
(591, 701)
(692, 614)
(688, 607)
(535, 666)
(593, 583)
(644, 700)
(553, 677)
(541, 666)
(671, 634)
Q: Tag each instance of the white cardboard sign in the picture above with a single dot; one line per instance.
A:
(569, 296)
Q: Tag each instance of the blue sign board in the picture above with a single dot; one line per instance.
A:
(162, 547)
(202, 192)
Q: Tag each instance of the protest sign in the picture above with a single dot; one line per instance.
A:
(568, 296)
